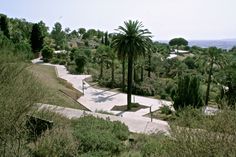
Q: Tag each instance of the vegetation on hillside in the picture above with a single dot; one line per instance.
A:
(202, 74)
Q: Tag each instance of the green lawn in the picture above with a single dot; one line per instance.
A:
(59, 91)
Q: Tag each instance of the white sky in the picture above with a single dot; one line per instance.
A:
(166, 19)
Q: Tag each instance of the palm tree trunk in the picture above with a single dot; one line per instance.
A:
(141, 73)
(123, 75)
(135, 74)
(149, 65)
(130, 69)
(101, 69)
(112, 71)
(209, 83)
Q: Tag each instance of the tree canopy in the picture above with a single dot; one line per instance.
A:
(59, 36)
(36, 38)
(178, 42)
(4, 25)
(131, 41)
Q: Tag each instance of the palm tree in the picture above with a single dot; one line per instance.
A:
(101, 54)
(151, 50)
(211, 57)
(112, 56)
(130, 42)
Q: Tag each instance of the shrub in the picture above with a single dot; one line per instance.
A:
(62, 62)
(143, 89)
(57, 142)
(24, 50)
(188, 93)
(193, 142)
(55, 60)
(165, 110)
(151, 145)
(47, 53)
(96, 134)
(80, 62)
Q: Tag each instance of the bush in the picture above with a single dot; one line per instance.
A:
(62, 62)
(165, 110)
(47, 53)
(151, 145)
(96, 134)
(188, 93)
(24, 50)
(193, 142)
(55, 60)
(57, 142)
(223, 122)
(143, 89)
(80, 62)
(186, 142)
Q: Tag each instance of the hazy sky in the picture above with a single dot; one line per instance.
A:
(166, 19)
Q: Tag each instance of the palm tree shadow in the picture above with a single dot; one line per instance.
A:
(101, 93)
(100, 99)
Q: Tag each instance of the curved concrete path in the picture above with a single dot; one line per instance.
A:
(134, 125)
(100, 100)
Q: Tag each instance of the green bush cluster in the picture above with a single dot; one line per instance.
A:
(223, 122)
(143, 89)
(60, 58)
(166, 110)
(99, 135)
(47, 53)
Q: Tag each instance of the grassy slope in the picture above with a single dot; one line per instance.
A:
(60, 92)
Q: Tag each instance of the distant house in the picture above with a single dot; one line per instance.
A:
(59, 51)
(172, 56)
(181, 54)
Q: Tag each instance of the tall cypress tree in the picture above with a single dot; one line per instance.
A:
(36, 38)
(4, 25)
(188, 93)
(107, 42)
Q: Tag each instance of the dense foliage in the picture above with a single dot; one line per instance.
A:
(203, 73)
(188, 93)
(178, 42)
(99, 135)
(47, 53)
(130, 42)
(36, 38)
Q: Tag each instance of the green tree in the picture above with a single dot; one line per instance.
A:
(112, 56)
(89, 34)
(47, 53)
(73, 35)
(43, 28)
(36, 38)
(227, 78)
(151, 50)
(107, 42)
(20, 30)
(80, 61)
(178, 42)
(211, 58)
(82, 31)
(99, 34)
(4, 25)
(187, 93)
(102, 54)
(131, 41)
(59, 36)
